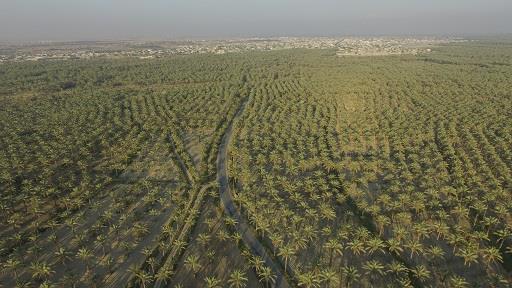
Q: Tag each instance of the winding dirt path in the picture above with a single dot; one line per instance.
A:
(248, 236)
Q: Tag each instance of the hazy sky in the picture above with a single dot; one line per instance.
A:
(34, 20)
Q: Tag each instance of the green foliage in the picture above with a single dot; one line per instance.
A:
(350, 170)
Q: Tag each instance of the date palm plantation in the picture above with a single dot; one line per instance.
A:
(287, 168)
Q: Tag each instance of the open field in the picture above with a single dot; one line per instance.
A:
(289, 168)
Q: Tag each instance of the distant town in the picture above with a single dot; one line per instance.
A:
(351, 46)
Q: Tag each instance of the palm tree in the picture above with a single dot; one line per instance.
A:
(421, 273)
(265, 274)
(85, 255)
(192, 264)
(212, 282)
(286, 252)
(72, 223)
(458, 282)
(152, 263)
(237, 279)
(15, 220)
(41, 270)
(334, 246)
(168, 231)
(203, 239)
(382, 221)
(405, 282)
(164, 275)
(502, 234)
(308, 280)
(356, 247)
(257, 262)
(231, 222)
(491, 255)
(179, 244)
(397, 268)
(163, 246)
(53, 238)
(139, 230)
(107, 262)
(222, 235)
(434, 253)
(375, 245)
(415, 246)
(62, 255)
(351, 274)
(373, 268)
(14, 265)
(237, 237)
(142, 277)
(329, 277)
(470, 255)
(100, 240)
(210, 255)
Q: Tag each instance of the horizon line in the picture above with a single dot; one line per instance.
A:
(249, 37)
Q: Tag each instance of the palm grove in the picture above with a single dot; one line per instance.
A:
(351, 171)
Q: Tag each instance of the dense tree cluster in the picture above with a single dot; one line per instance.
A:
(386, 168)
(95, 168)
(353, 171)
